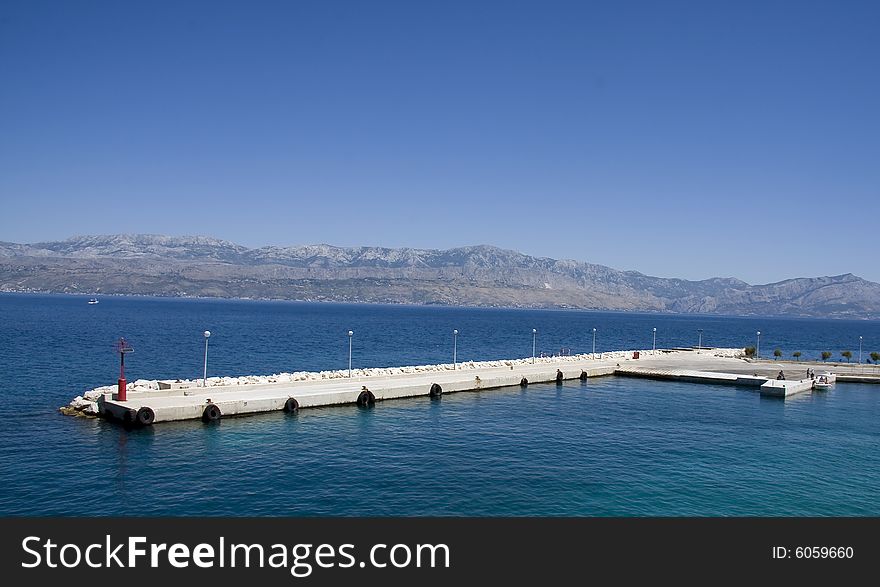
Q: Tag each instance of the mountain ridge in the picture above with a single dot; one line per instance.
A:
(475, 275)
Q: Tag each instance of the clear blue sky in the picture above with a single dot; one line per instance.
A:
(687, 139)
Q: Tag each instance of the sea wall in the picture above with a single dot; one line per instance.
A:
(87, 402)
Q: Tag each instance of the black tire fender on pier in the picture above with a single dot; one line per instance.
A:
(523, 382)
(583, 376)
(559, 377)
(436, 390)
(211, 413)
(129, 417)
(366, 398)
(145, 416)
(291, 405)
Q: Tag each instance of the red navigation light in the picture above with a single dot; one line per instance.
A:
(122, 347)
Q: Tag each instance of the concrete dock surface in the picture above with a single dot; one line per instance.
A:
(720, 366)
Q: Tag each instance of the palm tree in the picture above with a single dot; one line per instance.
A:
(749, 351)
(796, 355)
(875, 357)
(825, 356)
(776, 354)
(846, 355)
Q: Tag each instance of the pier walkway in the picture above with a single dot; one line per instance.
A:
(169, 401)
(768, 386)
(194, 403)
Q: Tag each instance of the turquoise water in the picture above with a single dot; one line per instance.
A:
(612, 446)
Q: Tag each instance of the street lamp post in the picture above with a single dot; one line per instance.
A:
(594, 343)
(534, 344)
(700, 343)
(860, 351)
(454, 349)
(205, 372)
(654, 344)
(758, 348)
(350, 334)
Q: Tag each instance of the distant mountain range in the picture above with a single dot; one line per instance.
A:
(470, 276)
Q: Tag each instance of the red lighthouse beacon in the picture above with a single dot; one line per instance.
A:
(122, 347)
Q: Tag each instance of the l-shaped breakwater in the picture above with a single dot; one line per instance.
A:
(150, 401)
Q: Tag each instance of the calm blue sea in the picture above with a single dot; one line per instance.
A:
(609, 447)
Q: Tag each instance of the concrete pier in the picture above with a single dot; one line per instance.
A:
(875, 379)
(191, 404)
(786, 388)
(693, 376)
(163, 401)
(768, 386)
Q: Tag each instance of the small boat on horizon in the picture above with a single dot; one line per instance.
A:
(93, 301)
